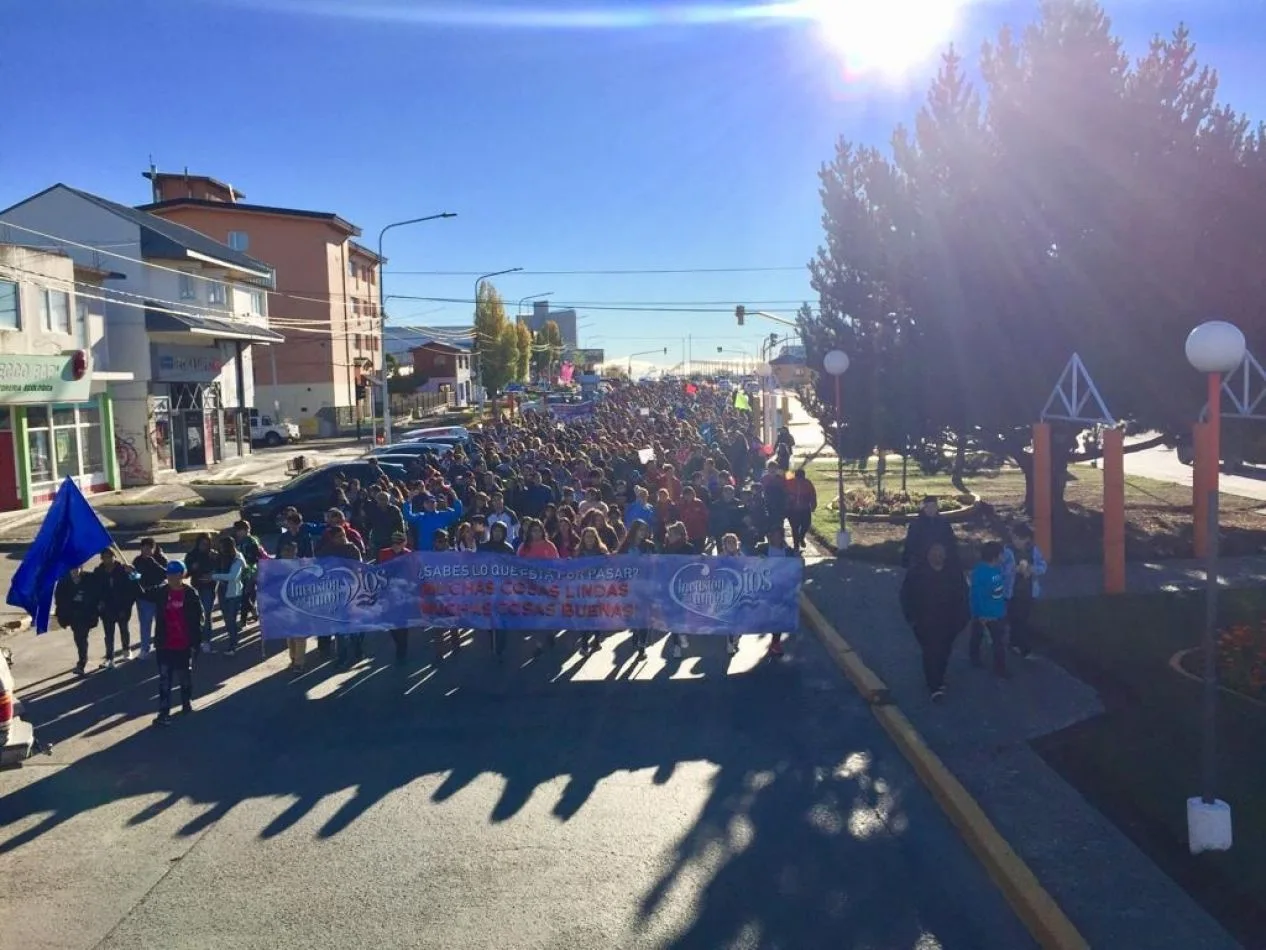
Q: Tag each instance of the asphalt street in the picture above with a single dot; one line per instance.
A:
(708, 802)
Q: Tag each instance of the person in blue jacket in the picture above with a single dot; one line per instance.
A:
(425, 517)
(989, 607)
(1023, 566)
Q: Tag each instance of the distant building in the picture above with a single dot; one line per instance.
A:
(323, 277)
(402, 340)
(541, 314)
(790, 370)
(444, 368)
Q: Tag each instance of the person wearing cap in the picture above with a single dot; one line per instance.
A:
(927, 529)
(178, 627)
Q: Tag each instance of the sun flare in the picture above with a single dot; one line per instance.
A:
(885, 38)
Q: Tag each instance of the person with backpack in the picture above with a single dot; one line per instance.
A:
(151, 566)
(252, 553)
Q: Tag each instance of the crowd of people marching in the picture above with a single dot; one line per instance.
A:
(655, 468)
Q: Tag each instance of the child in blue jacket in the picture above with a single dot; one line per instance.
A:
(1022, 566)
(989, 607)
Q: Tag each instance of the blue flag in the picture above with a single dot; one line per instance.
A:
(70, 535)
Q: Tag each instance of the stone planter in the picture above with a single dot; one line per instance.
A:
(136, 516)
(224, 494)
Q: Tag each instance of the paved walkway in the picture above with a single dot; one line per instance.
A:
(1076, 580)
(1114, 894)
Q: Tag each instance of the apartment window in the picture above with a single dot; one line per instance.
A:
(215, 292)
(239, 240)
(356, 342)
(187, 291)
(9, 317)
(55, 305)
(351, 268)
(257, 301)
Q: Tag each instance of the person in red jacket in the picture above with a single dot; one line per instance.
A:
(397, 548)
(694, 514)
(178, 625)
(802, 502)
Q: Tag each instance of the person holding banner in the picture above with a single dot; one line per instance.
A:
(677, 541)
(590, 546)
(775, 545)
(638, 542)
(297, 646)
(730, 547)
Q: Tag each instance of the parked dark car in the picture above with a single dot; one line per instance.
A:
(311, 492)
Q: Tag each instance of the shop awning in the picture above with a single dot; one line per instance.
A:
(158, 321)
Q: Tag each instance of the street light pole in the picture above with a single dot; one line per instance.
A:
(836, 363)
(382, 323)
(518, 310)
(643, 353)
(1213, 348)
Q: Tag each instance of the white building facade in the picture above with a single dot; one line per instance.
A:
(182, 317)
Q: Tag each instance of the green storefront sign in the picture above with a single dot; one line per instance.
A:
(41, 379)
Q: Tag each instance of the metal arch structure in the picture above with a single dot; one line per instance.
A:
(1075, 397)
(1238, 387)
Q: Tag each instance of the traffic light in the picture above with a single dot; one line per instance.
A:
(719, 349)
(773, 340)
(740, 314)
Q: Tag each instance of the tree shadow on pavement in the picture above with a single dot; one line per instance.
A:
(804, 840)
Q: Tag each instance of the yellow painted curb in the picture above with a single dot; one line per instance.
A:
(873, 689)
(1044, 919)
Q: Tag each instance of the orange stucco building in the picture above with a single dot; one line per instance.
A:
(325, 302)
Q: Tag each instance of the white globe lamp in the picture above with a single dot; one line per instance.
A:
(835, 363)
(1216, 347)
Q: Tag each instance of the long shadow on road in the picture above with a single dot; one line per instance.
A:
(812, 834)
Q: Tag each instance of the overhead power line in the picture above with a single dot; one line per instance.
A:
(612, 272)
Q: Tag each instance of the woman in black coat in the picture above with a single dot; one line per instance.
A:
(934, 601)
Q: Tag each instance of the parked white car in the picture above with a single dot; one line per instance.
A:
(265, 431)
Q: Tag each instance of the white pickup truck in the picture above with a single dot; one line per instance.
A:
(266, 432)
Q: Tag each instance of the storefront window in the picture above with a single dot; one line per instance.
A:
(38, 444)
(66, 442)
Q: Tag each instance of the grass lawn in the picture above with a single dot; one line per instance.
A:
(1158, 514)
(1140, 761)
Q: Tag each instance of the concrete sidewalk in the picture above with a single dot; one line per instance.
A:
(983, 731)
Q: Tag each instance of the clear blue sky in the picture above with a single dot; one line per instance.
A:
(568, 136)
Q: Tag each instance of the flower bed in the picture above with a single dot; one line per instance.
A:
(866, 505)
(1242, 659)
(1241, 662)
